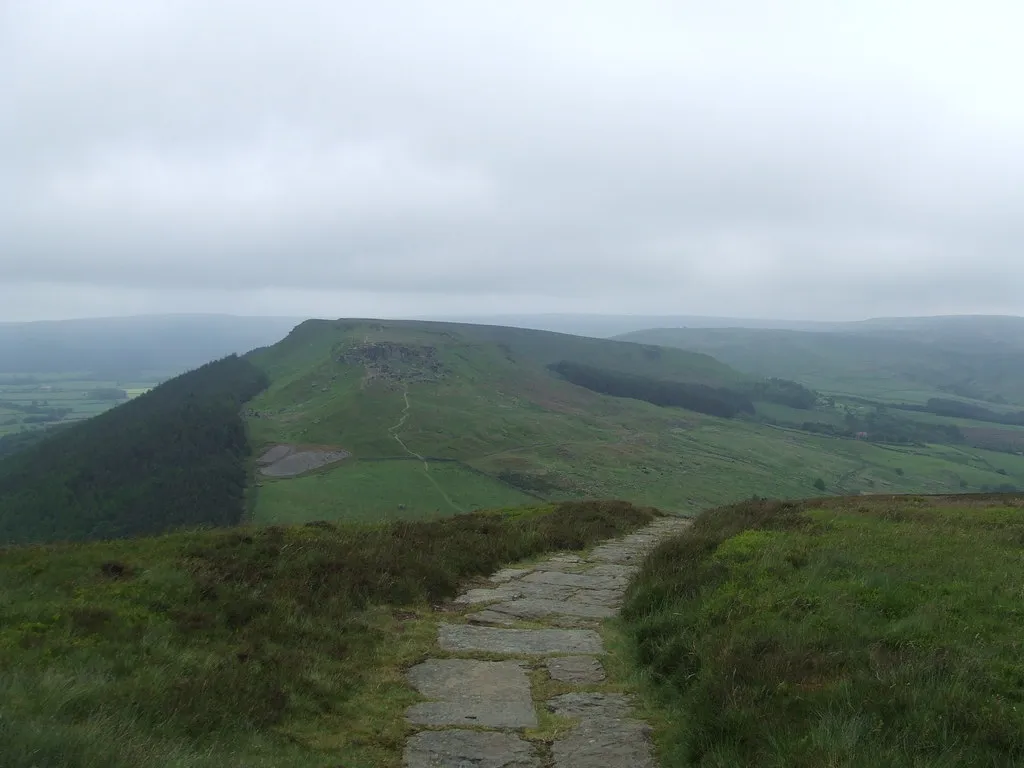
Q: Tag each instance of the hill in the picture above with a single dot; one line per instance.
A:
(441, 418)
(906, 361)
(859, 631)
(604, 326)
(380, 420)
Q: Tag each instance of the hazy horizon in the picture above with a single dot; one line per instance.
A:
(477, 317)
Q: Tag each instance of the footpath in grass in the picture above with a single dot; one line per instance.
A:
(521, 656)
(879, 631)
(245, 647)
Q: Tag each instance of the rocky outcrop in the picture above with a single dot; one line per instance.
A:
(391, 362)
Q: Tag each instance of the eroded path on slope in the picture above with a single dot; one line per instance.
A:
(518, 680)
(393, 431)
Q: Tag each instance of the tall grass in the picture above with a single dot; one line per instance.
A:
(225, 648)
(855, 632)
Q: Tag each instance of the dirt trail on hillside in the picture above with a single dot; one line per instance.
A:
(393, 431)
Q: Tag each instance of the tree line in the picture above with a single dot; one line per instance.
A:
(882, 427)
(943, 407)
(783, 392)
(172, 457)
(715, 401)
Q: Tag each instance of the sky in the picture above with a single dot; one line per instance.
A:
(824, 159)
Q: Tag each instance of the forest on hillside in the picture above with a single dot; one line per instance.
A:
(957, 409)
(173, 457)
(716, 401)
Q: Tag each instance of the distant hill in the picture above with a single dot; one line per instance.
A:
(127, 347)
(912, 359)
(607, 326)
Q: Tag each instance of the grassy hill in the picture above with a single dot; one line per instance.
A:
(425, 420)
(443, 418)
(862, 632)
(246, 648)
(973, 358)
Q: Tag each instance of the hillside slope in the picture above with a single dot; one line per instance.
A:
(442, 418)
(979, 360)
(175, 456)
(855, 632)
(245, 648)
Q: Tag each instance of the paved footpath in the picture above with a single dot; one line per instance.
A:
(529, 630)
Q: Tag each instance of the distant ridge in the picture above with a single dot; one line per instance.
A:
(604, 326)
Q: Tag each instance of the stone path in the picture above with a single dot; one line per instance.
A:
(527, 654)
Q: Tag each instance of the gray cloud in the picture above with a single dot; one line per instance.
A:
(787, 159)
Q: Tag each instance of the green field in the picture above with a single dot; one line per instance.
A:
(858, 632)
(371, 491)
(34, 400)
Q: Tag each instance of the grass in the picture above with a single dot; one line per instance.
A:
(371, 491)
(497, 410)
(247, 647)
(850, 632)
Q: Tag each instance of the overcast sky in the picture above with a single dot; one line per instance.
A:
(831, 159)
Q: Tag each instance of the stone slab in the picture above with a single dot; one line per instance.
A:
(625, 572)
(455, 748)
(491, 618)
(605, 743)
(543, 591)
(560, 563)
(579, 670)
(480, 712)
(492, 694)
(488, 595)
(538, 608)
(617, 553)
(607, 597)
(583, 580)
(508, 574)
(528, 642)
(590, 705)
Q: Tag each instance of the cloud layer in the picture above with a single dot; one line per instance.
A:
(789, 159)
